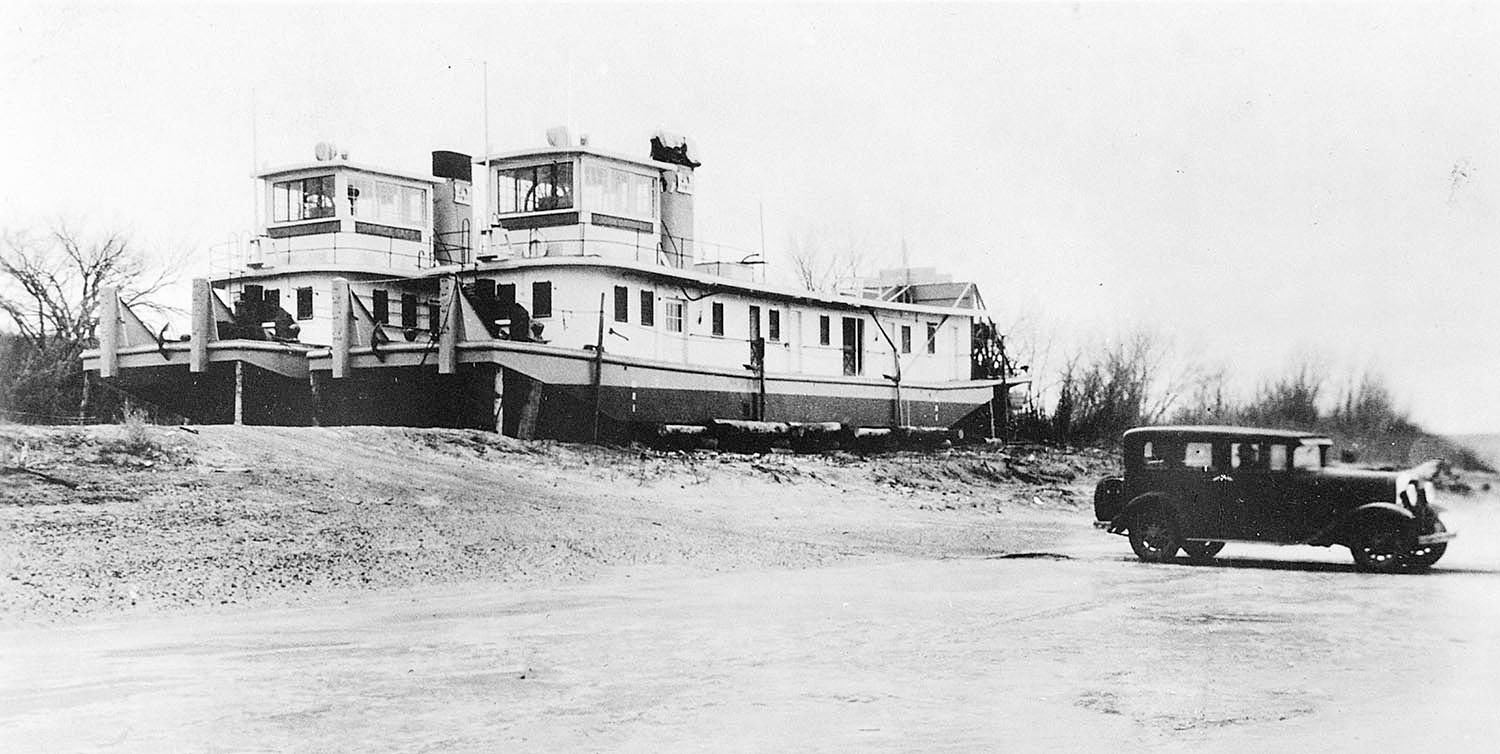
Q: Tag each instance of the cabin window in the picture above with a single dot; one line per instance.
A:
(622, 304)
(304, 302)
(906, 339)
(648, 308)
(382, 306)
(535, 189)
(825, 334)
(409, 310)
(302, 199)
(541, 299)
(672, 310)
(932, 330)
(618, 192)
(718, 315)
(385, 202)
(754, 323)
(854, 346)
(434, 319)
(773, 324)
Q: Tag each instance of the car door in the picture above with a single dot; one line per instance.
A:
(1262, 507)
(1207, 505)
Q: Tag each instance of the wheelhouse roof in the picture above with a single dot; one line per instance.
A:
(1222, 431)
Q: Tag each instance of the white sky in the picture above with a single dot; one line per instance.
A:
(1254, 181)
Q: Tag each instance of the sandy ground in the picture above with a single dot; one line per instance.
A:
(945, 613)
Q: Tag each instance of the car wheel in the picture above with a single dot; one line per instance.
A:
(1379, 549)
(1153, 536)
(1202, 552)
(1423, 556)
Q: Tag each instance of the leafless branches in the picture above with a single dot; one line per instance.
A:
(50, 286)
(820, 262)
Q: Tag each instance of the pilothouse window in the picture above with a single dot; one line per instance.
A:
(618, 192)
(383, 202)
(302, 199)
(535, 189)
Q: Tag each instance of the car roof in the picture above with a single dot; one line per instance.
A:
(1222, 431)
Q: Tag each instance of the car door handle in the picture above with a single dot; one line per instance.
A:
(1223, 478)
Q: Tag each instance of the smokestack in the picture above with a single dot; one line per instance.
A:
(451, 206)
(676, 196)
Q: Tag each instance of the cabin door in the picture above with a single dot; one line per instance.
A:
(854, 345)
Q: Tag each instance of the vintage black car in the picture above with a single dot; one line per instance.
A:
(1196, 488)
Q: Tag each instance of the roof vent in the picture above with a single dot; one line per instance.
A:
(327, 150)
(558, 136)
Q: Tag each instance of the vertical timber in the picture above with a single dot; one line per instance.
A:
(202, 325)
(340, 339)
(448, 319)
(239, 392)
(109, 332)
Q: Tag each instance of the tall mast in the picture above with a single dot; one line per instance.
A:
(489, 189)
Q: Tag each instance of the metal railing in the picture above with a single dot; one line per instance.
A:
(248, 251)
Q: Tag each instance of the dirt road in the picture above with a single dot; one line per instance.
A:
(482, 597)
(1085, 651)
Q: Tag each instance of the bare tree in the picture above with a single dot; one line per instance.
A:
(821, 259)
(50, 288)
(1117, 386)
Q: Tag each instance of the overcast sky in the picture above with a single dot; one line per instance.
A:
(1256, 182)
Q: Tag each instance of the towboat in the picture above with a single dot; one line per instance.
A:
(565, 297)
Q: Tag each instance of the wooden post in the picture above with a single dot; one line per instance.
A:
(239, 392)
(202, 326)
(448, 319)
(83, 403)
(109, 331)
(340, 339)
(317, 397)
(499, 399)
(598, 376)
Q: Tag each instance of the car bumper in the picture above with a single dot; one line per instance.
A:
(1435, 538)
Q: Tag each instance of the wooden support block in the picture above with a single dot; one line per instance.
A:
(109, 331)
(202, 326)
(341, 325)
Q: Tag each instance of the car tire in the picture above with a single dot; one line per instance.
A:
(1202, 552)
(1153, 536)
(1379, 548)
(1424, 556)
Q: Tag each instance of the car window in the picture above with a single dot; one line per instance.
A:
(1153, 454)
(1278, 458)
(1198, 455)
(1247, 456)
(1307, 457)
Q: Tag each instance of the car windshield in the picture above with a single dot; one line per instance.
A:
(1309, 455)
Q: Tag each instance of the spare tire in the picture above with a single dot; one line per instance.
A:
(1109, 497)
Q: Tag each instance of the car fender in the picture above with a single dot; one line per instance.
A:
(1383, 512)
(1140, 503)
